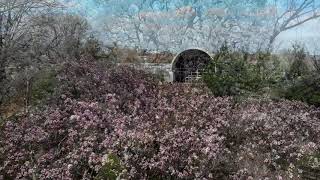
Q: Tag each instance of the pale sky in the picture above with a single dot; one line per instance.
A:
(308, 34)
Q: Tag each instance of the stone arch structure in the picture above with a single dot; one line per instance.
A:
(189, 65)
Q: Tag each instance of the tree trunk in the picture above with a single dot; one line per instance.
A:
(272, 40)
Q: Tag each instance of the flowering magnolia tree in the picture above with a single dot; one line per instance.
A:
(155, 131)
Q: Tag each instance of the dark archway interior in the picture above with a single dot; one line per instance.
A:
(190, 64)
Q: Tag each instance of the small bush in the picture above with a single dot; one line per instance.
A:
(316, 63)
(111, 168)
(43, 86)
(306, 89)
(92, 47)
(298, 67)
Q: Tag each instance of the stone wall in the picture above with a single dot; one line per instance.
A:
(164, 70)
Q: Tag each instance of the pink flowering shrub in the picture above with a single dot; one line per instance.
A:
(90, 81)
(276, 135)
(58, 142)
(179, 138)
(153, 131)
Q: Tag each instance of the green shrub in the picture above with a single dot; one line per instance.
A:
(302, 83)
(43, 85)
(316, 63)
(234, 73)
(310, 165)
(92, 47)
(299, 66)
(26, 89)
(306, 89)
(112, 168)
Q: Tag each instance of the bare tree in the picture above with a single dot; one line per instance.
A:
(57, 36)
(175, 25)
(15, 16)
(296, 13)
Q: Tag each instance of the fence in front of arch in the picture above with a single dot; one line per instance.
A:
(188, 75)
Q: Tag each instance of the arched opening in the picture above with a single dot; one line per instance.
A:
(189, 65)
